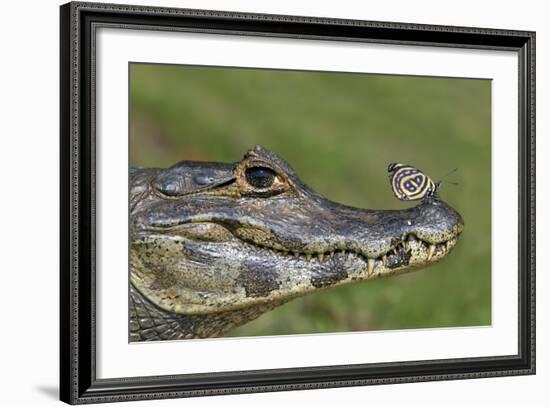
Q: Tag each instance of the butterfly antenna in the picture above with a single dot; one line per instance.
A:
(449, 173)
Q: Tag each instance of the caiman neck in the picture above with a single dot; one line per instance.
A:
(151, 323)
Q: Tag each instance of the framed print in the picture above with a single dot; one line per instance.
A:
(256, 203)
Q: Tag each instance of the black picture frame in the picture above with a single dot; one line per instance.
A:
(78, 382)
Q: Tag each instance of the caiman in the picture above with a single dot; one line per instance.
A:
(215, 245)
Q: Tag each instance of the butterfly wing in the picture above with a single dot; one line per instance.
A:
(408, 183)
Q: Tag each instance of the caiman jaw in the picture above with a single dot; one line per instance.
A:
(204, 267)
(404, 250)
(395, 258)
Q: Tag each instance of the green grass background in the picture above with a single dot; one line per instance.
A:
(339, 131)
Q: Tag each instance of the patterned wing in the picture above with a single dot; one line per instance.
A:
(408, 183)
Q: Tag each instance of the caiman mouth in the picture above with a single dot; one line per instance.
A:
(393, 258)
(408, 247)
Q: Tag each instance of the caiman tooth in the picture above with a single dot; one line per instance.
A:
(370, 268)
(431, 251)
(406, 246)
(447, 244)
(343, 252)
(284, 253)
(296, 254)
(308, 256)
(410, 239)
(384, 259)
(320, 257)
(331, 254)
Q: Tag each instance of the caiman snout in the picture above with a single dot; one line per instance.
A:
(385, 241)
(410, 239)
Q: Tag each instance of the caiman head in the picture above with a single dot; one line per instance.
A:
(219, 244)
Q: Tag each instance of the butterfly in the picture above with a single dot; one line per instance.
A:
(409, 183)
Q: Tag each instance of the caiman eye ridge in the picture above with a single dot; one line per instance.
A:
(398, 256)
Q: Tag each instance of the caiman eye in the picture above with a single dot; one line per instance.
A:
(260, 177)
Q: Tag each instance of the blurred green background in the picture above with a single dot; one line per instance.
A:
(339, 131)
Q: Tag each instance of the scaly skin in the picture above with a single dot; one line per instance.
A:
(210, 251)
